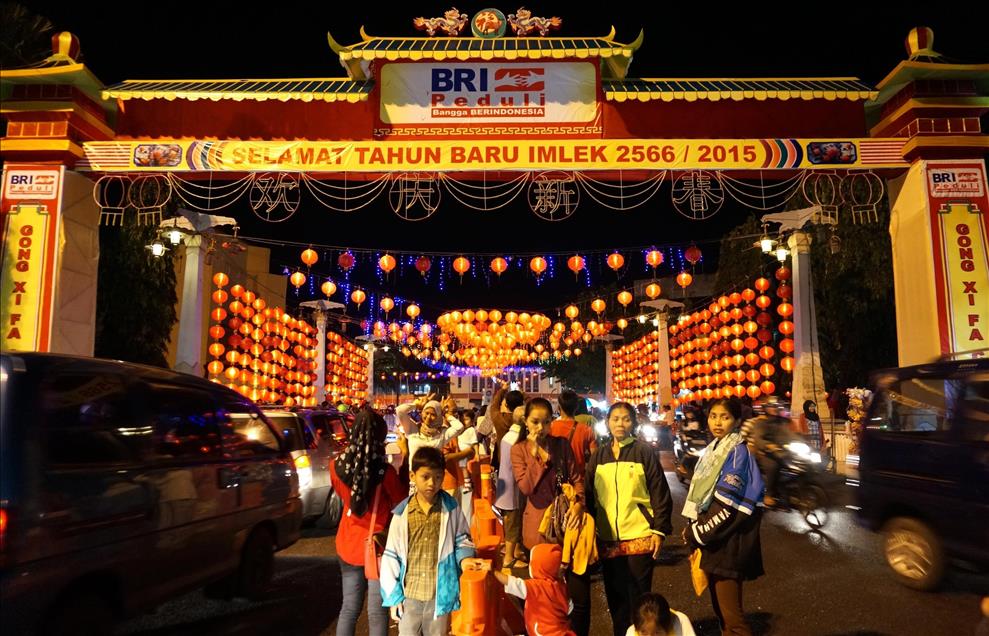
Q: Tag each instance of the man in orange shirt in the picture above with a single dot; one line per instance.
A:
(581, 435)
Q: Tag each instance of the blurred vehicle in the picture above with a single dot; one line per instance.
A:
(800, 484)
(326, 432)
(122, 486)
(688, 447)
(312, 453)
(924, 468)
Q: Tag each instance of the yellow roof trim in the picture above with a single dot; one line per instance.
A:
(216, 96)
(759, 95)
(21, 144)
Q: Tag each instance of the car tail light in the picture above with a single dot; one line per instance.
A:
(3, 528)
(302, 462)
(303, 467)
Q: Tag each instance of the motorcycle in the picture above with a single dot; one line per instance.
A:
(799, 484)
(688, 447)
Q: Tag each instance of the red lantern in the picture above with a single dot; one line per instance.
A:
(692, 254)
(598, 305)
(783, 273)
(785, 310)
(345, 261)
(684, 279)
(786, 328)
(219, 297)
(786, 345)
(624, 298)
(329, 288)
(538, 265)
(763, 302)
(785, 292)
(298, 279)
(748, 295)
(740, 391)
(387, 263)
(735, 298)
(423, 264)
(751, 359)
(387, 304)
(762, 284)
(767, 387)
(358, 297)
(309, 257)
(654, 258)
(787, 364)
(616, 261)
(220, 279)
(767, 353)
(236, 291)
(576, 264)
(461, 265)
(499, 265)
(767, 369)
(754, 391)
(653, 290)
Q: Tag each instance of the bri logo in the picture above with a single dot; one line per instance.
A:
(457, 80)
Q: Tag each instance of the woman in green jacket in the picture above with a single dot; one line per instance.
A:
(628, 496)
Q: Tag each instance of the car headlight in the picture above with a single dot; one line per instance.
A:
(601, 429)
(803, 451)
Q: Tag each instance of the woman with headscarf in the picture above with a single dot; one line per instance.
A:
(810, 425)
(724, 514)
(369, 488)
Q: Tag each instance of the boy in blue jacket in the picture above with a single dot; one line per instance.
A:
(428, 544)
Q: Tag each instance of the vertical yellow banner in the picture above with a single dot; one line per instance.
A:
(967, 269)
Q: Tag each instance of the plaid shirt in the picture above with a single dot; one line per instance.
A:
(424, 546)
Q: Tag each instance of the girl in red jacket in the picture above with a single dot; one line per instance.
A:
(369, 488)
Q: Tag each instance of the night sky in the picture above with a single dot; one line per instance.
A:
(216, 40)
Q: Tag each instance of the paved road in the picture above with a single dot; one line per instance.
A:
(830, 583)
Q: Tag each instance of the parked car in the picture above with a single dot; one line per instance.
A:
(329, 430)
(924, 468)
(312, 453)
(123, 486)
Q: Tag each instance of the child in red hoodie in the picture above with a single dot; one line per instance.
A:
(547, 603)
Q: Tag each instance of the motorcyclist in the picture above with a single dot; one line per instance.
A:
(767, 435)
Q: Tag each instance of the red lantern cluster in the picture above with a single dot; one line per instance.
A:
(346, 370)
(726, 350)
(635, 370)
(261, 352)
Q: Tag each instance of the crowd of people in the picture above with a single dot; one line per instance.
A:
(568, 506)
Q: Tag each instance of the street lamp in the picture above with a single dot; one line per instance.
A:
(782, 253)
(157, 248)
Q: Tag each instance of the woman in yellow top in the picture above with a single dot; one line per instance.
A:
(628, 496)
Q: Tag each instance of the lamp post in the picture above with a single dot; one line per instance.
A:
(185, 232)
(371, 346)
(663, 309)
(321, 310)
(609, 347)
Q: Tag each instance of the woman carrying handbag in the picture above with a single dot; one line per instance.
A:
(369, 488)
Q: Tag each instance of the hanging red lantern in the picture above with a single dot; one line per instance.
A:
(748, 295)
(684, 279)
(622, 323)
(387, 304)
(767, 369)
(461, 265)
(787, 364)
(220, 279)
(624, 297)
(236, 291)
(499, 265)
(653, 290)
(298, 279)
(763, 302)
(784, 291)
(387, 263)
(785, 310)
(538, 265)
(616, 261)
(358, 296)
(598, 305)
(692, 254)
(220, 297)
(575, 263)
(767, 387)
(412, 311)
(783, 273)
(423, 264)
(654, 258)
(309, 257)
(762, 284)
(786, 327)
(571, 312)
(345, 261)
(328, 288)
(766, 353)
(787, 345)
(216, 332)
